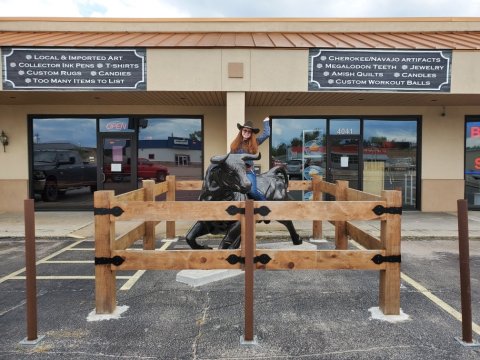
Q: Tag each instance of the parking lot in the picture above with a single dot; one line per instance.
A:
(298, 314)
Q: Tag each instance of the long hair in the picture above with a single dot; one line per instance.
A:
(249, 147)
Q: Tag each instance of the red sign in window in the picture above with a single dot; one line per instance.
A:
(475, 131)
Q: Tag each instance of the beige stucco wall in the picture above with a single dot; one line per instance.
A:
(464, 70)
(207, 70)
(441, 195)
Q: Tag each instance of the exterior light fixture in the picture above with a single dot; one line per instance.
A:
(4, 140)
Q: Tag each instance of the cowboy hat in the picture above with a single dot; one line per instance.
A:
(249, 125)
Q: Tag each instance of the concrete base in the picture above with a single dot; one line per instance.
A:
(119, 310)
(249, 342)
(472, 344)
(318, 240)
(377, 314)
(32, 342)
(201, 277)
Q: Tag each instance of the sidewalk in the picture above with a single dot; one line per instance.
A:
(80, 224)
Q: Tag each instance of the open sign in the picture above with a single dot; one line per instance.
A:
(116, 125)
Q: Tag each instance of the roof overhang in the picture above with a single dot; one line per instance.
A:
(214, 98)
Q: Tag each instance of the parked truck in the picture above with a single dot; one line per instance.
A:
(57, 171)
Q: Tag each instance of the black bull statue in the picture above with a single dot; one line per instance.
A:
(225, 180)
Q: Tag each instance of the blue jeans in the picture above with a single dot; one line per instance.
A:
(254, 193)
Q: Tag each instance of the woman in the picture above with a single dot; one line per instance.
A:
(247, 142)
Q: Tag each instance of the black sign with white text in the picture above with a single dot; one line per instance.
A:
(73, 69)
(381, 70)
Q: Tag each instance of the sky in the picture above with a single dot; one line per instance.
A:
(239, 8)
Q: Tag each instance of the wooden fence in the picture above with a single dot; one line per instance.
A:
(381, 253)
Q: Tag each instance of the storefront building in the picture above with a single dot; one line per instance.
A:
(89, 104)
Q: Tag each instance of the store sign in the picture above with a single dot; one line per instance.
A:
(180, 141)
(381, 70)
(73, 69)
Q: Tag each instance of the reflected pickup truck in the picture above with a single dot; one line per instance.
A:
(57, 171)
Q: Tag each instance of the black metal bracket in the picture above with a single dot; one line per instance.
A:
(116, 260)
(378, 259)
(380, 210)
(115, 211)
(234, 259)
(233, 210)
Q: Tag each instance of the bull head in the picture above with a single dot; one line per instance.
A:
(252, 156)
(219, 159)
(232, 176)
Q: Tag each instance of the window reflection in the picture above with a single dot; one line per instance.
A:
(388, 162)
(175, 143)
(299, 145)
(64, 164)
(390, 158)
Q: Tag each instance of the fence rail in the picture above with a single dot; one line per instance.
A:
(381, 253)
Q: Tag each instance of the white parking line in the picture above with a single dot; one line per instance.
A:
(132, 280)
(128, 285)
(424, 291)
(66, 277)
(45, 259)
(439, 302)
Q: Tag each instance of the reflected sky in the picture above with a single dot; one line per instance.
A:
(161, 129)
(78, 131)
(285, 129)
(83, 132)
(395, 131)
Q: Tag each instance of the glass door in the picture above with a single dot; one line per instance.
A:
(117, 168)
(344, 159)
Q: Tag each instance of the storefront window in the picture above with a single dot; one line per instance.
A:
(381, 157)
(72, 157)
(299, 145)
(390, 158)
(472, 163)
(175, 143)
(64, 162)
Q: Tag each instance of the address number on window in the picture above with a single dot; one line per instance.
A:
(344, 131)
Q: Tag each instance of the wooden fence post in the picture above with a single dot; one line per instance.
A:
(249, 245)
(341, 240)
(317, 196)
(170, 227)
(390, 236)
(149, 237)
(105, 277)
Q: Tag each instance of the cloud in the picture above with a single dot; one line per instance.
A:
(133, 9)
(239, 8)
(40, 8)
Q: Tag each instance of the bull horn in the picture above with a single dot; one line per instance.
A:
(252, 156)
(218, 159)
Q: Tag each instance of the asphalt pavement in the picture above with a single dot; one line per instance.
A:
(297, 314)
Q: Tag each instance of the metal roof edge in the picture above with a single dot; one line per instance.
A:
(203, 25)
(232, 20)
